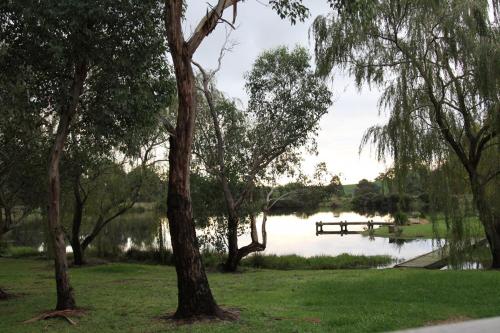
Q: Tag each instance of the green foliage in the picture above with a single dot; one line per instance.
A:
(301, 197)
(286, 101)
(368, 199)
(19, 252)
(342, 261)
(291, 9)
(400, 218)
(128, 87)
(438, 229)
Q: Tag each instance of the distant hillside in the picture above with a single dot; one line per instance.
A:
(349, 188)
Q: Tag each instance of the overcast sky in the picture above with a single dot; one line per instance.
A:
(258, 29)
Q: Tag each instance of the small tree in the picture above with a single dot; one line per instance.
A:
(60, 57)
(287, 100)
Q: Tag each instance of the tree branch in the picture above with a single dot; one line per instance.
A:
(208, 23)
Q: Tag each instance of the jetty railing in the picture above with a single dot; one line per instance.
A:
(343, 227)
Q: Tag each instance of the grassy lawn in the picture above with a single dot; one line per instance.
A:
(129, 298)
(429, 230)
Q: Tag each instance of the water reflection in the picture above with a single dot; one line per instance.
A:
(287, 234)
(292, 234)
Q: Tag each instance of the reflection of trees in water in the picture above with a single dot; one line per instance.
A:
(469, 257)
(131, 230)
(134, 230)
(400, 241)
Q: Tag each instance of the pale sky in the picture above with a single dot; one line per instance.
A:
(259, 28)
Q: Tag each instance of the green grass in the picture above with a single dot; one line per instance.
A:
(343, 261)
(430, 230)
(213, 260)
(19, 252)
(130, 297)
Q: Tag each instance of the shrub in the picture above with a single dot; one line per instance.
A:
(400, 218)
(342, 261)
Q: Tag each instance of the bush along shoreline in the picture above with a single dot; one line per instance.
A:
(213, 260)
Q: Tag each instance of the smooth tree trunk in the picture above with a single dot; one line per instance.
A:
(65, 297)
(76, 226)
(5, 221)
(3, 224)
(232, 260)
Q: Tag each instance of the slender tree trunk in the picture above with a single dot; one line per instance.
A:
(65, 298)
(232, 240)
(232, 230)
(8, 217)
(75, 228)
(5, 223)
(75, 234)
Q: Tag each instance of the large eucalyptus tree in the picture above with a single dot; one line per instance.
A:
(438, 63)
(194, 295)
(240, 147)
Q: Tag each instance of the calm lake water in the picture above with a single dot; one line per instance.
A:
(287, 234)
(296, 234)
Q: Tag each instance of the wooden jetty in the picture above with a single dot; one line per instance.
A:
(436, 259)
(343, 227)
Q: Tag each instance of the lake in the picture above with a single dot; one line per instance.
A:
(287, 234)
(296, 234)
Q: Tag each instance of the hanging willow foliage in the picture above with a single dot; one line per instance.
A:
(438, 63)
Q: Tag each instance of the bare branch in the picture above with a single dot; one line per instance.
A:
(209, 22)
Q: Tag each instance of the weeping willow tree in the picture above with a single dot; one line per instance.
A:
(438, 63)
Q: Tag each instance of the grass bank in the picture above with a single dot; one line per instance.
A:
(213, 260)
(342, 261)
(130, 297)
(430, 230)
